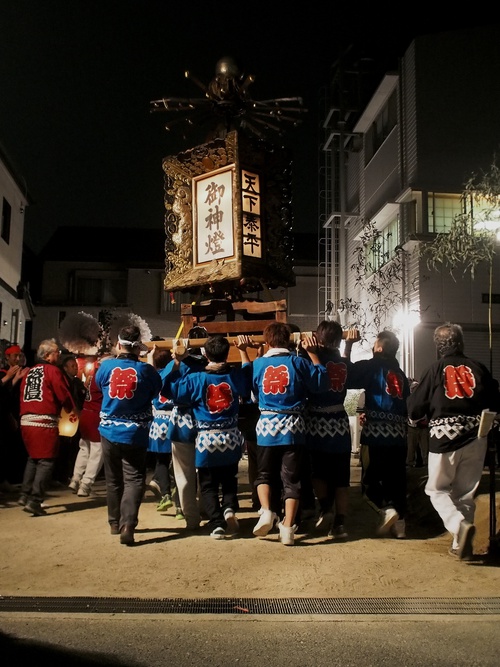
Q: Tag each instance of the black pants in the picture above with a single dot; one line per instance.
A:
(161, 472)
(280, 466)
(384, 477)
(37, 476)
(125, 472)
(214, 482)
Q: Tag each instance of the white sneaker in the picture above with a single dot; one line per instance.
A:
(233, 525)
(389, 518)
(265, 523)
(155, 488)
(73, 485)
(83, 490)
(287, 534)
(399, 529)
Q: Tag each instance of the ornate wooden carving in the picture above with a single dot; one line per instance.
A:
(236, 153)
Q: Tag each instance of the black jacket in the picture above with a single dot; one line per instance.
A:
(452, 393)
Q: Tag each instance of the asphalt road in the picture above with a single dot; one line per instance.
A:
(217, 641)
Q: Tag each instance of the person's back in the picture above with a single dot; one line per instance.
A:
(282, 382)
(128, 387)
(386, 389)
(329, 435)
(214, 396)
(383, 432)
(44, 392)
(90, 456)
(452, 392)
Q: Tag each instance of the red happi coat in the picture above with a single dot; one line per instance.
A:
(89, 416)
(45, 391)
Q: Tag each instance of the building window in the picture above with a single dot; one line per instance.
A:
(6, 215)
(381, 127)
(442, 211)
(444, 208)
(381, 249)
(100, 288)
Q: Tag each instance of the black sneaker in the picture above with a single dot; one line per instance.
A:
(34, 508)
(338, 533)
(324, 522)
(22, 500)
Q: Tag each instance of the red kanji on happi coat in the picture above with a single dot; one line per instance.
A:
(337, 374)
(395, 384)
(276, 379)
(459, 382)
(219, 397)
(123, 383)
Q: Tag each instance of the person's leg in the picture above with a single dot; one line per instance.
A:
(43, 476)
(183, 459)
(341, 470)
(324, 487)
(134, 474)
(467, 477)
(209, 489)
(423, 441)
(114, 480)
(251, 446)
(393, 478)
(228, 476)
(28, 477)
(265, 481)
(267, 465)
(81, 460)
(307, 502)
(321, 480)
(175, 493)
(161, 473)
(442, 469)
(412, 444)
(94, 462)
(291, 465)
(372, 473)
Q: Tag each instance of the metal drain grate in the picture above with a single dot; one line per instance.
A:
(90, 605)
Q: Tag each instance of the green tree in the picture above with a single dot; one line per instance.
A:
(471, 238)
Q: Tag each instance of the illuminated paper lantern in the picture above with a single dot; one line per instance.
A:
(229, 215)
(68, 423)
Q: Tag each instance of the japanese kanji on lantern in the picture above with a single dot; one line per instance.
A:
(228, 215)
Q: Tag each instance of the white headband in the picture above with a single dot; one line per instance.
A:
(129, 343)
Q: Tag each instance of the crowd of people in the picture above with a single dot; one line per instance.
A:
(193, 415)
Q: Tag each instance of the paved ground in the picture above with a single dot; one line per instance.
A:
(59, 554)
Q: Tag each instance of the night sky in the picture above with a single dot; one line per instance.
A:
(77, 78)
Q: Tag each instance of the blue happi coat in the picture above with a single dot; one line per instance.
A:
(214, 397)
(281, 383)
(386, 391)
(327, 423)
(128, 388)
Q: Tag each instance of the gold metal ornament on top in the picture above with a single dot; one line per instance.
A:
(228, 216)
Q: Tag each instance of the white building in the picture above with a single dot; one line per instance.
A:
(15, 304)
(398, 149)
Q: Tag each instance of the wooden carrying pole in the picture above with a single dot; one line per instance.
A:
(234, 354)
(257, 315)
